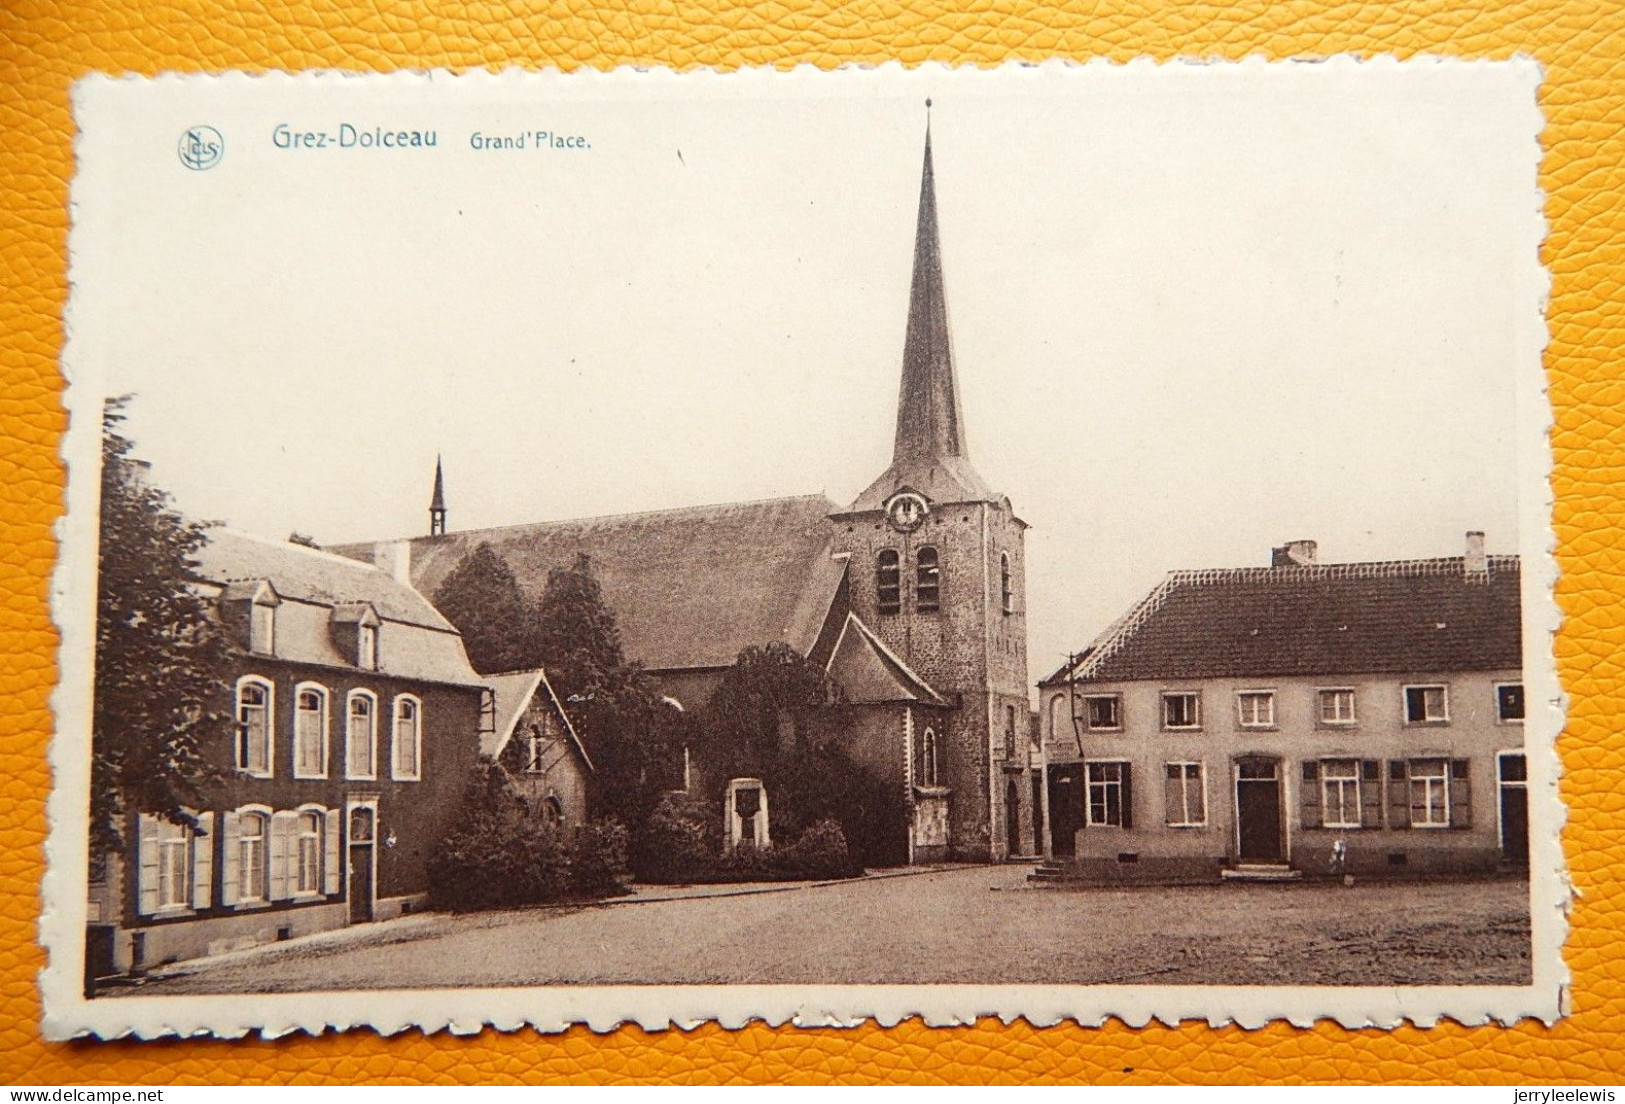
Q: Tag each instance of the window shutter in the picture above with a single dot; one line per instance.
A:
(1399, 796)
(230, 871)
(1370, 793)
(1309, 795)
(1173, 794)
(278, 847)
(1128, 795)
(146, 851)
(331, 871)
(1461, 795)
(203, 842)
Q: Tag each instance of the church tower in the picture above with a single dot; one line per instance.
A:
(936, 568)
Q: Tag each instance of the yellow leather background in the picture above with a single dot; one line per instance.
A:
(46, 44)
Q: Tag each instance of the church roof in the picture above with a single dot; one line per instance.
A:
(868, 672)
(689, 587)
(1393, 616)
(929, 453)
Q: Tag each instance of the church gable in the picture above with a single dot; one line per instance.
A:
(869, 673)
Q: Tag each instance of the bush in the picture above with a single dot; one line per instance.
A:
(680, 841)
(598, 860)
(820, 852)
(503, 855)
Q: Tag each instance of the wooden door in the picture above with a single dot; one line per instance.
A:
(361, 888)
(1065, 808)
(1012, 818)
(1258, 810)
(1514, 809)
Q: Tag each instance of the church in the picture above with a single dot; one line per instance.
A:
(912, 597)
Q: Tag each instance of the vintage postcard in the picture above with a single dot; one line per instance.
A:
(1059, 542)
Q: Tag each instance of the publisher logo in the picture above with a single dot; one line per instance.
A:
(201, 147)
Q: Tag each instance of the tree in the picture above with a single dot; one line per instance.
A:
(162, 660)
(765, 706)
(576, 634)
(482, 597)
(634, 736)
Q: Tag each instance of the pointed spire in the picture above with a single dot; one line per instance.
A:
(930, 424)
(437, 503)
(929, 456)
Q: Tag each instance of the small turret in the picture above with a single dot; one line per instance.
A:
(437, 504)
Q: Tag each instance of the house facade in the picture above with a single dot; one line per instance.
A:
(928, 562)
(358, 724)
(1325, 719)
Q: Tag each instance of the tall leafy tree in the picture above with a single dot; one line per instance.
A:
(635, 737)
(162, 661)
(764, 706)
(482, 597)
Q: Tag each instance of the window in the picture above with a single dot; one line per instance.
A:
(262, 628)
(1009, 732)
(927, 581)
(252, 829)
(1007, 590)
(888, 581)
(1426, 705)
(1340, 793)
(928, 758)
(1336, 706)
(1430, 793)
(367, 647)
(1256, 708)
(1512, 768)
(407, 746)
(307, 836)
(540, 743)
(552, 812)
(1509, 701)
(361, 736)
(1103, 711)
(1181, 710)
(1109, 804)
(254, 727)
(174, 865)
(1060, 718)
(310, 732)
(1184, 796)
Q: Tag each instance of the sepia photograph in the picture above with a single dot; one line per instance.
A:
(1055, 542)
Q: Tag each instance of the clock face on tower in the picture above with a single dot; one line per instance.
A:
(906, 511)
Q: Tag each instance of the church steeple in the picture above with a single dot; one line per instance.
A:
(437, 503)
(930, 423)
(929, 454)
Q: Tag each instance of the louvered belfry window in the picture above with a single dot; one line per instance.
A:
(888, 581)
(927, 581)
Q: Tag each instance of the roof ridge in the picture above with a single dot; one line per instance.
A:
(1369, 569)
(299, 549)
(669, 511)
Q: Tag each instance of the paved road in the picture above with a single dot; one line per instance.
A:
(976, 925)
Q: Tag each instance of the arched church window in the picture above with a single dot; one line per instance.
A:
(928, 758)
(927, 580)
(1006, 588)
(552, 812)
(888, 581)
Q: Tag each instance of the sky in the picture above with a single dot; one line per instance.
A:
(1197, 310)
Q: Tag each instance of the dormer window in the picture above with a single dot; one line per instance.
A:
(248, 610)
(262, 629)
(354, 628)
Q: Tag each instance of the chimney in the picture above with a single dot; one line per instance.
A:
(394, 557)
(1476, 564)
(1296, 553)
